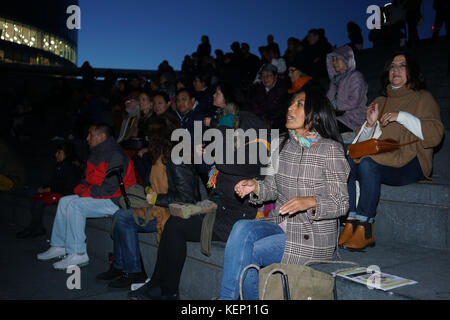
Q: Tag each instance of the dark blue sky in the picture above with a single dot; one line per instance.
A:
(139, 34)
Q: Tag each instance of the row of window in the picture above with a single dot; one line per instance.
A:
(33, 37)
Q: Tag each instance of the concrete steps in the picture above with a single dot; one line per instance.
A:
(201, 275)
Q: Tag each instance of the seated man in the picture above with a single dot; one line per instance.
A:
(129, 128)
(269, 98)
(95, 197)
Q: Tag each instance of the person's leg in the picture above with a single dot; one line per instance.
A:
(239, 252)
(59, 231)
(177, 232)
(266, 251)
(410, 173)
(77, 212)
(351, 185)
(126, 241)
(37, 211)
(35, 227)
(369, 177)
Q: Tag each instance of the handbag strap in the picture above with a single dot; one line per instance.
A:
(147, 217)
(400, 145)
(379, 117)
(242, 277)
(284, 281)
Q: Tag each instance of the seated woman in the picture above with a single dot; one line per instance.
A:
(348, 89)
(408, 113)
(139, 142)
(172, 249)
(169, 183)
(65, 177)
(297, 75)
(310, 189)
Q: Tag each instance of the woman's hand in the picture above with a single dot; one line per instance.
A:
(297, 205)
(199, 149)
(372, 114)
(245, 187)
(388, 118)
(142, 151)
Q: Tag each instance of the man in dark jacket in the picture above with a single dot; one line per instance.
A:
(270, 97)
(189, 113)
(95, 197)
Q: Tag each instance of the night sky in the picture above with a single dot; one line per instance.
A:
(139, 34)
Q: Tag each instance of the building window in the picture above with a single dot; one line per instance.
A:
(36, 38)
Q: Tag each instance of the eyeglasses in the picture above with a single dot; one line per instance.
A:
(401, 66)
(292, 70)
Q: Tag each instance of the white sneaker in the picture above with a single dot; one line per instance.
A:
(72, 259)
(53, 252)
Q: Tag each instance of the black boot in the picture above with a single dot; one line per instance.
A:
(110, 275)
(127, 279)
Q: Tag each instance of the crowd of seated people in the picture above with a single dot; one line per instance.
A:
(129, 125)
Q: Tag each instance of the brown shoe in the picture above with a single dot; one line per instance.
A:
(347, 233)
(362, 237)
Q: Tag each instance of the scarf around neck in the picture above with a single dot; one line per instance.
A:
(299, 83)
(308, 140)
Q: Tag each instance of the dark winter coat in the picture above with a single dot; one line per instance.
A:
(230, 207)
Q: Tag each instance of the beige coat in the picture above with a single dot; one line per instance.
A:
(422, 105)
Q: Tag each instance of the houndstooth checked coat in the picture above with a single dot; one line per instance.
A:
(321, 172)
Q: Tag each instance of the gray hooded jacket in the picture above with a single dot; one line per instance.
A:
(348, 92)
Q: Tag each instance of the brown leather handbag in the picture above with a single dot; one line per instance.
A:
(374, 146)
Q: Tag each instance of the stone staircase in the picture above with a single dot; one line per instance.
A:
(412, 226)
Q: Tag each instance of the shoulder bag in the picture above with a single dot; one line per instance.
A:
(373, 146)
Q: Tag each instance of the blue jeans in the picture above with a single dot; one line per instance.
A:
(126, 241)
(250, 242)
(70, 220)
(370, 176)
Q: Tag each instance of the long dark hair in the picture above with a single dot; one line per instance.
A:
(319, 114)
(160, 130)
(234, 100)
(416, 78)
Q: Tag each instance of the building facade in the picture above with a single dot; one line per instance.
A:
(36, 33)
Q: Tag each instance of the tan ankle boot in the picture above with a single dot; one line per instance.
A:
(347, 233)
(362, 237)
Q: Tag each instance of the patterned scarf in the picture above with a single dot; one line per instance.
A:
(307, 140)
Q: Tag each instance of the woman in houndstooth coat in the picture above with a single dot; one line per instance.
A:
(309, 185)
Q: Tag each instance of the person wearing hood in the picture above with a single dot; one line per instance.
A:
(348, 89)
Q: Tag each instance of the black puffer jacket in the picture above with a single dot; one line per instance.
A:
(183, 185)
(65, 177)
(230, 207)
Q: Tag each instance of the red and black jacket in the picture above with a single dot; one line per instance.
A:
(102, 158)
